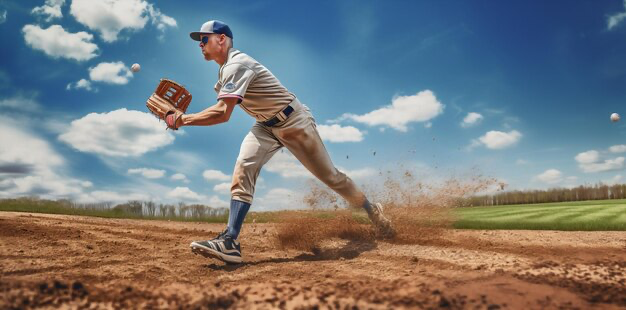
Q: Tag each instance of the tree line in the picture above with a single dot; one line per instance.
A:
(134, 208)
(598, 191)
(151, 209)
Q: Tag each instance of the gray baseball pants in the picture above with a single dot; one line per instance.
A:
(298, 133)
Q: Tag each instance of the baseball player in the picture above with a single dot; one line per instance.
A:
(281, 121)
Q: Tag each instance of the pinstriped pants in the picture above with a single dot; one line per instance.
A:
(299, 135)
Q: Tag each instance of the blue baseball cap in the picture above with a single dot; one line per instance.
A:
(212, 26)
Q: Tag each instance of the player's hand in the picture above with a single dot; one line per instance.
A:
(169, 102)
(174, 120)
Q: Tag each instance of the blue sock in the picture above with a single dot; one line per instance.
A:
(368, 207)
(238, 211)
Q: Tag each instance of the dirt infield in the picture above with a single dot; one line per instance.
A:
(82, 262)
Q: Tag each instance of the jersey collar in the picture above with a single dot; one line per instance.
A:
(231, 53)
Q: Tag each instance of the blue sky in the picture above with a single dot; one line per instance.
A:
(519, 90)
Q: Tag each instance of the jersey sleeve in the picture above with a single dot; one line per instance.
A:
(235, 81)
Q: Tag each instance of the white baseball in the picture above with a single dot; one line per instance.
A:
(614, 117)
(135, 67)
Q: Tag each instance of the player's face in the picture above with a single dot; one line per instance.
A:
(210, 46)
(204, 42)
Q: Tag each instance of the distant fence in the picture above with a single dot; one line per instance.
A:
(581, 193)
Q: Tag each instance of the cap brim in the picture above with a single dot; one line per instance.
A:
(196, 35)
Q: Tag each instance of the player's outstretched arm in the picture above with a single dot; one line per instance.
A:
(216, 114)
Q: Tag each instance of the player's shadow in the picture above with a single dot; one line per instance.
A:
(350, 250)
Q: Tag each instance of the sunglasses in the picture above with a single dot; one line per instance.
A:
(204, 39)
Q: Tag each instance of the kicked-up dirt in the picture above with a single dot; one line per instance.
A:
(83, 262)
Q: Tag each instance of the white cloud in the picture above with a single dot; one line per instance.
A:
(617, 179)
(260, 183)
(590, 161)
(555, 177)
(110, 17)
(179, 177)
(285, 164)
(50, 10)
(185, 194)
(615, 19)
(588, 157)
(618, 148)
(117, 133)
(279, 199)
(222, 188)
(20, 103)
(111, 197)
(521, 162)
(215, 175)
(160, 20)
(30, 166)
(182, 161)
(337, 133)
(81, 84)
(550, 176)
(606, 165)
(216, 202)
(58, 43)
(474, 144)
(27, 148)
(3, 16)
(471, 119)
(359, 173)
(110, 72)
(148, 173)
(421, 107)
(496, 140)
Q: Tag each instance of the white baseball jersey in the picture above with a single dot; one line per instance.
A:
(263, 96)
(261, 93)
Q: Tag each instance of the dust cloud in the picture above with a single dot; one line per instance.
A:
(419, 208)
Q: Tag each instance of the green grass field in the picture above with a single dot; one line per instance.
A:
(581, 215)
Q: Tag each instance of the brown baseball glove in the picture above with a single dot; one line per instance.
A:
(169, 102)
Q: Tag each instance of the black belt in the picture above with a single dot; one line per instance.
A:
(275, 120)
